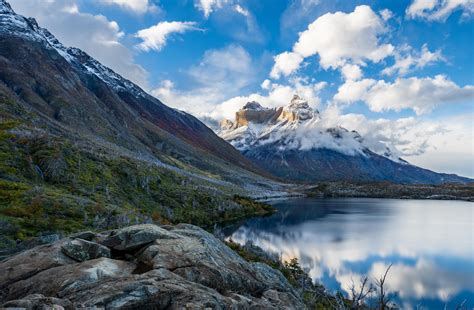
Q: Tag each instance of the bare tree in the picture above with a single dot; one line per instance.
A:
(383, 298)
(359, 294)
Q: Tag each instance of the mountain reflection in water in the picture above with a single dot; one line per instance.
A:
(430, 244)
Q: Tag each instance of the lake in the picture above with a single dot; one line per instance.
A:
(430, 244)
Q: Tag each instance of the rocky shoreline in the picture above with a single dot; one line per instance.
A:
(463, 192)
(142, 267)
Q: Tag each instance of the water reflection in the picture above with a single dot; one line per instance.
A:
(430, 244)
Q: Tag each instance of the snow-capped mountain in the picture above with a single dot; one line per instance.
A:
(71, 93)
(293, 127)
(294, 142)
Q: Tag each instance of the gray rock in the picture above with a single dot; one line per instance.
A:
(64, 281)
(82, 250)
(86, 235)
(180, 267)
(31, 262)
(38, 302)
(133, 237)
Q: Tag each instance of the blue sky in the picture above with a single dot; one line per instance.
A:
(401, 72)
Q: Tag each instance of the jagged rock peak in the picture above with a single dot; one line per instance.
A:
(298, 110)
(253, 105)
(226, 124)
(298, 101)
(5, 7)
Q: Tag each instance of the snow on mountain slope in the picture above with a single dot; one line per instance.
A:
(17, 25)
(293, 127)
(294, 142)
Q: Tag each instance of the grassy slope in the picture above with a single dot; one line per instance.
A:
(50, 184)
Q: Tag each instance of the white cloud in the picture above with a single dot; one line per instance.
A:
(95, 34)
(386, 14)
(421, 95)
(285, 64)
(351, 72)
(404, 136)
(137, 6)
(339, 39)
(155, 37)
(406, 60)
(278, 95)
(239, 9)
(455, 141)
(439, 10)
(266, 84)
(208, 6)
(221, 73)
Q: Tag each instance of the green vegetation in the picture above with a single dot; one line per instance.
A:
(314, 295)
(49, 184)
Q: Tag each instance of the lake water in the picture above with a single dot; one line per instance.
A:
(430, 244)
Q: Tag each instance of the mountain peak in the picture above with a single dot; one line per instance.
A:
(5, 7)
(253, 105)
(298, 110)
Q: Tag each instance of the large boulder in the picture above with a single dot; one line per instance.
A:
(150, 267)
(82, 250)
(65, 280)
(199, 257)
(26, 264)
(133, 237)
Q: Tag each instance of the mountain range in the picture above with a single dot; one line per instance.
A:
(293, 143)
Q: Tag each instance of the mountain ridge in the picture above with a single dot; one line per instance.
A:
(292, 142)
(137, 101)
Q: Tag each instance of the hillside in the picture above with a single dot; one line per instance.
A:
(80, 146)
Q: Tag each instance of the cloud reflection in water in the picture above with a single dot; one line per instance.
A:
(430, 243)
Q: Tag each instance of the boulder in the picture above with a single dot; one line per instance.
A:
(64, 280)
(86, 235)
(38, 302)
(82, 250)
(28, 263)
(133, 237)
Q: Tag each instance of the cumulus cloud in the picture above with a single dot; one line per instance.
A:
(404, 136)
(456, 140)
(155, 37)
(421, 95)
(406, 59)
(208, 6)
(285, 64)
(277, 95)
(351, 72)
(137, 6)
(339, 39)
(95, 34)
(439, 10)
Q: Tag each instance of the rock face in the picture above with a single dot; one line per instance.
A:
(294, 143)
(151, 267)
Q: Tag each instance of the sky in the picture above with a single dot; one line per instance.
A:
(401, 72)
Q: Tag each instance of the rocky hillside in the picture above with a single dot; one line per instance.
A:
(142, 267)
(293, 143)
(82, 147)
